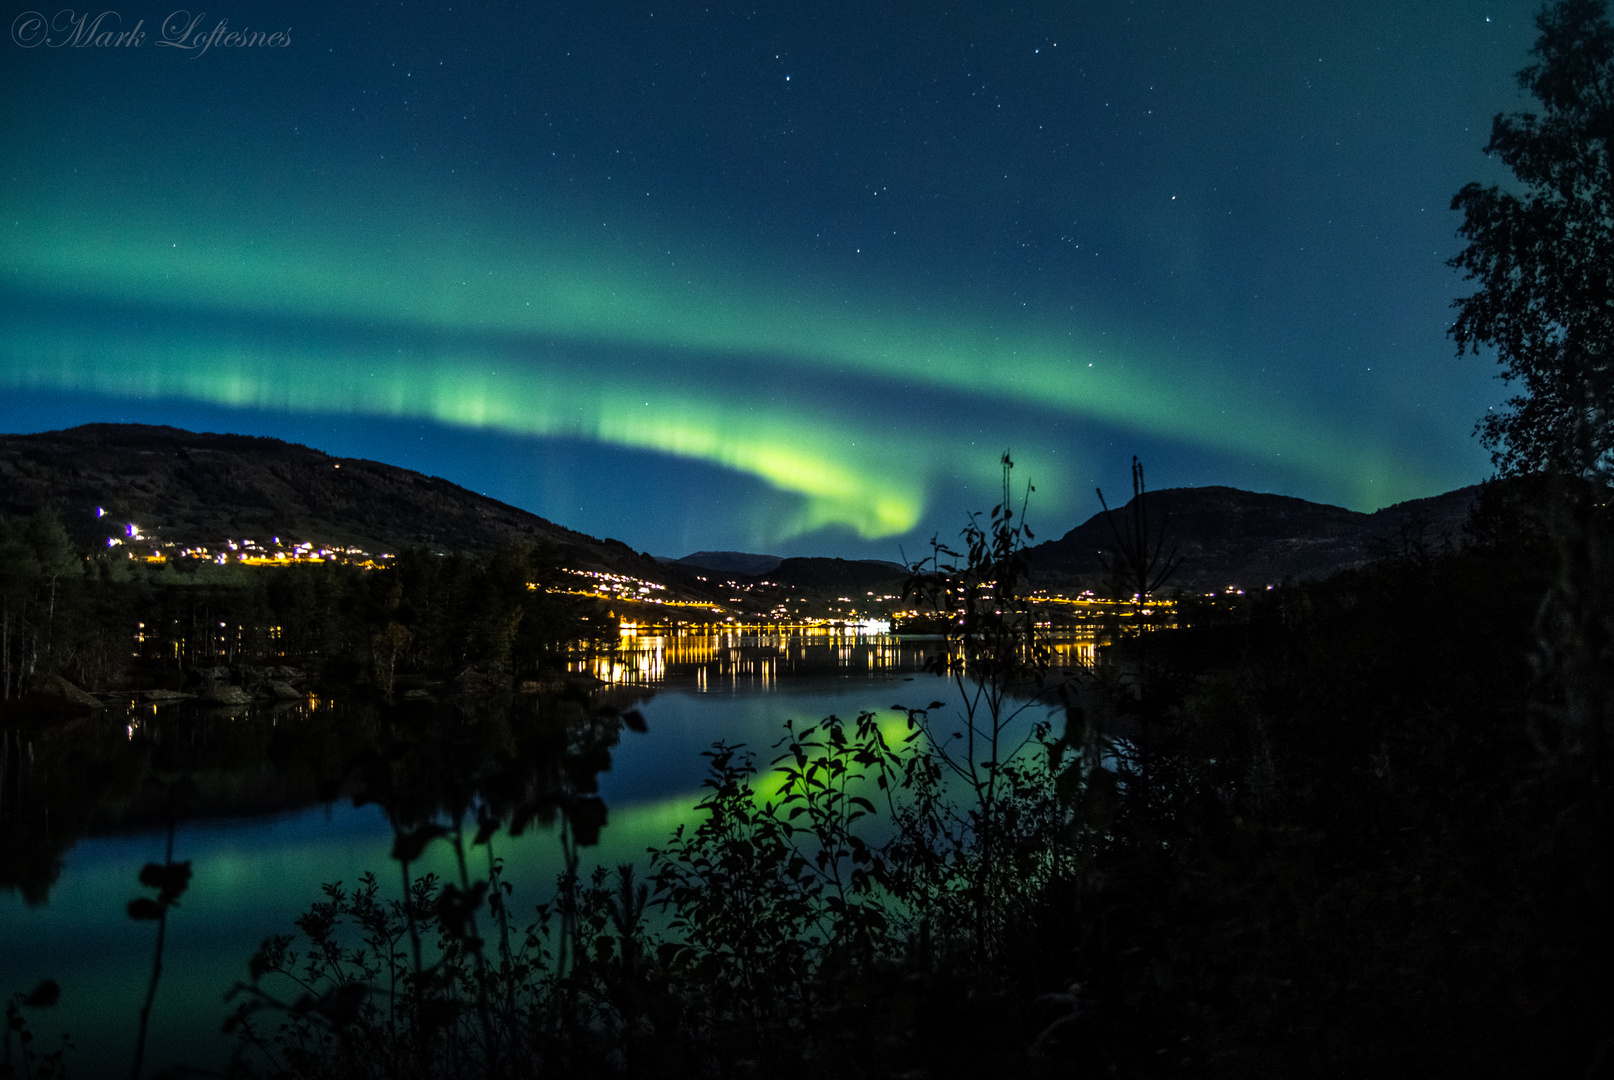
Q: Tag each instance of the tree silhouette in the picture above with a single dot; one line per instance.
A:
(1544, 257)
(1544, 260)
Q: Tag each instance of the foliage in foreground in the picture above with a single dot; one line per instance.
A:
(1356, 840)
(1359, 827)
(774, 923)
(840, 909)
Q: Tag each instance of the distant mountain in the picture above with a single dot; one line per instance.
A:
(811, 572)
(729, 562)
(860, 575)
(1248, 539)
(195, 488)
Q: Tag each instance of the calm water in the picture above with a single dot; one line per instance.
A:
(254, 875)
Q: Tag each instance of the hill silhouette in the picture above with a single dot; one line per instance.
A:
(805, 571)
(1226, 536)
(201, 488)
(728, 562)
(820, 573)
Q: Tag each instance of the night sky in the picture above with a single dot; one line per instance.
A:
(782, 278)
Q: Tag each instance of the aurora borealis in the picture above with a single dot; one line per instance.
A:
(734, 277)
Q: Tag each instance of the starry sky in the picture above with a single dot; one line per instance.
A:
(764, 277)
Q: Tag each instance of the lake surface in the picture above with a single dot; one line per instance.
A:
(254, 874)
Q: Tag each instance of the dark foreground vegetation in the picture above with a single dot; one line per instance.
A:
(1357, 829)
(1354, 828)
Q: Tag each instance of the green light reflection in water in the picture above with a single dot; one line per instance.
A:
(254, 877)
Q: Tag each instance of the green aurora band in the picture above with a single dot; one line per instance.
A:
(876, 489)
(452, 288)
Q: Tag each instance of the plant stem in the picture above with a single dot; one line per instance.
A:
(157, 959)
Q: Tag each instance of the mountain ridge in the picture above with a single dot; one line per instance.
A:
(202, 487)
(748, 564)
(1230, 537)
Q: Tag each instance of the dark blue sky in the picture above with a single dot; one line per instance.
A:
(771, 278)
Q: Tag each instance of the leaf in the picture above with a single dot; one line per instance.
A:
(43, 996)
(484, 831)
(634, 719)
(587, 817)
(169, 879)
(145, 908)
(342, 1004)
(409, 843)
(672, 955)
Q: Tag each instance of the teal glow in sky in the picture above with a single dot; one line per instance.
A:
(800, 314)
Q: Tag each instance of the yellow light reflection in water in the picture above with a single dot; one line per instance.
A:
(756, 660)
